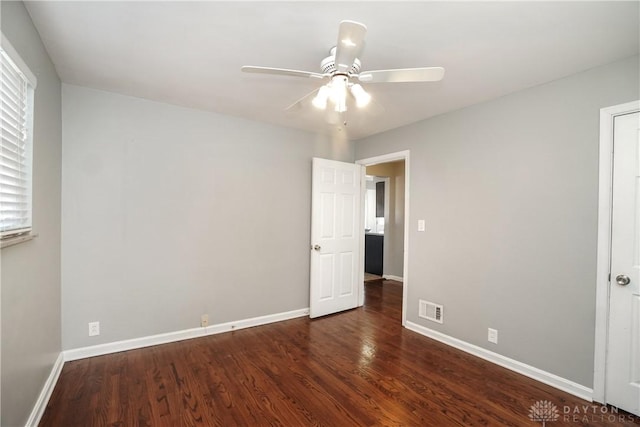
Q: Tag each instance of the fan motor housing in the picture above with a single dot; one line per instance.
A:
(328, 64)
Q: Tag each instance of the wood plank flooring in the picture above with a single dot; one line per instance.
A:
(358, 368)
(368, 277)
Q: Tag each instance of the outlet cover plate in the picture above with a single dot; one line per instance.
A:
(492, 336)
(94, 329)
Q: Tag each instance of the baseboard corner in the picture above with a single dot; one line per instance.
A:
(45, 394)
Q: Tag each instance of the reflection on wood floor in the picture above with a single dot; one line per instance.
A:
(357, 368)
(368, 277)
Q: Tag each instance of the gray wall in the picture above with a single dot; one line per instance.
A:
(30, 278)
(170, 213)
(509, 192)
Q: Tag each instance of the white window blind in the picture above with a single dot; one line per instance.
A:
(16, 128)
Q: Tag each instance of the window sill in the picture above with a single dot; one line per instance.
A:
(10, 241)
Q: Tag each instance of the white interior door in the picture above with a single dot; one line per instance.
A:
(623, 356)
(336, 231)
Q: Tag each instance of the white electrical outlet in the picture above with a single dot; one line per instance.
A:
(493, 336)
(421, 225)
(94, 329)
(204, 320)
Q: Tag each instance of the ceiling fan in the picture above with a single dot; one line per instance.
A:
(341, 72)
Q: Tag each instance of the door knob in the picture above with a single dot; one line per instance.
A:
(622, 280)
(316, 247)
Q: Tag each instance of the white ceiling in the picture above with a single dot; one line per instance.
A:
(190, 53)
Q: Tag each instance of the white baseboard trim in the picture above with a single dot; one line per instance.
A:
(519, 367)
(45, 393)
(114, 347)
(392, 277)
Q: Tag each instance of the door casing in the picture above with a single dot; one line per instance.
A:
(386, 158)
(603, 260)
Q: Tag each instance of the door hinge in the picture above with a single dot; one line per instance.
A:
(609, 277)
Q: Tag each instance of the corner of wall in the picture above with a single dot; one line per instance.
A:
(30, 281)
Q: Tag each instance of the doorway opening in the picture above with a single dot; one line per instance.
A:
(384, 247)
(379, 227)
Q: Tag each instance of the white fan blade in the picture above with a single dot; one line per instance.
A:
(282, 72)
(427, 74)
(302, 102)
(350, 44)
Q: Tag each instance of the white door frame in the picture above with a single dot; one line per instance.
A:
(386, 158)
(603, 260)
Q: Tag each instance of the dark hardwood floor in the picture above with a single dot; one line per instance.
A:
(357, 368)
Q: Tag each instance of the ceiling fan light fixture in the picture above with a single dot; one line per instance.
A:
(343, 65)
(361, 96)
(320, 100)
(339, 93)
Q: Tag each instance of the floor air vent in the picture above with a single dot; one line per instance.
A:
(430, 311)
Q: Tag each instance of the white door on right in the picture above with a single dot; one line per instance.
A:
(623, 356)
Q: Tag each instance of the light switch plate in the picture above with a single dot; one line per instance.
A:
(421, 225)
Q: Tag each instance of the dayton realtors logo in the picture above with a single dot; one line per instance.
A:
(596, 414)
(543, 411)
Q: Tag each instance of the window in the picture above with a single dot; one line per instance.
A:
(17, 86)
